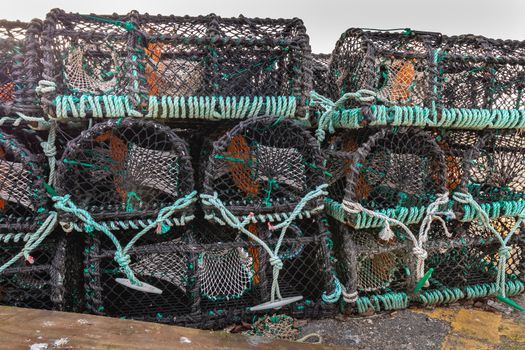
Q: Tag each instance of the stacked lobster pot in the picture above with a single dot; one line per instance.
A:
(33, 254)
(128, 92)
(263, 190)
(425, 162)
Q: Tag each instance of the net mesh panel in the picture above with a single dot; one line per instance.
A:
(210, 55)
(225, 273)
(374, 266)
(403, 69)
(489, 165)
(339, 152)
(12, 47)
(44, 284)
(306, 260)
(264, 165)
(320, 65)
(22, 194)
(403, 168)
(478, 72)
(128, 168)
(163, 261)
(276, 327)
(470, 257)
(396, 66)
(86, 55)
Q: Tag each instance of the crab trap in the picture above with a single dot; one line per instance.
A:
(462, 264)
(89, 67)
(207, 279)
(214, 68)
(264, 168)
(485, 172)
(426, 79)
(467, 264)
(392, 175)
(20, 66)
(126, 173)
(237, 276)
(33, 264)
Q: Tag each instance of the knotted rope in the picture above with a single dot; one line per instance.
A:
(433, 212)
(386, 233)
(65, 204)
(236, 223)
(326, 120)
(34, 241)
(504, 251)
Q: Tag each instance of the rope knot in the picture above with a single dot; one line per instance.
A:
(420, 253)
(49, 149)
(504, 252)
(122, 259)
(45, 86)
(276, 262)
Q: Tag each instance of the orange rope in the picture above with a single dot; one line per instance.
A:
(118, 151)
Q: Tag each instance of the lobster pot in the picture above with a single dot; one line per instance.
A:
(88, 60)
(23, 208)
(162, 262)
(490, 166)
(481, 73)
(235, 274)
(396, 173)
(465, 266)
(52, 280)
(256, 66)
(320, 65)
(123, 172)
(398, 66)
(379, 273)
(20, 67)
(264, 166)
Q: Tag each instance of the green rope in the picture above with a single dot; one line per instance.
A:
(233, 221)
(33, 241)
(220, 107)
(325, 122)
(65, 204)
(504, 251)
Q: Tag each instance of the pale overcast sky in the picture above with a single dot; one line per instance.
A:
(325, 19)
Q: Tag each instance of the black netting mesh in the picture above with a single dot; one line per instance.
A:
(390, 169)
(489, 165)
(210, 56)
(87, 55)
(264, 165)
(413, 68)
(397, 66)
(205, 283)
(23, 198)
(320, 65)
(375, 269)
(477, 72)
(125, 169)
(20, 67)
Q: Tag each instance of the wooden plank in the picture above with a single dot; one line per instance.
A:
(36, 329)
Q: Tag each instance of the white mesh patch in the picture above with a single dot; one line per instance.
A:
(225, 273)
(15, 184)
